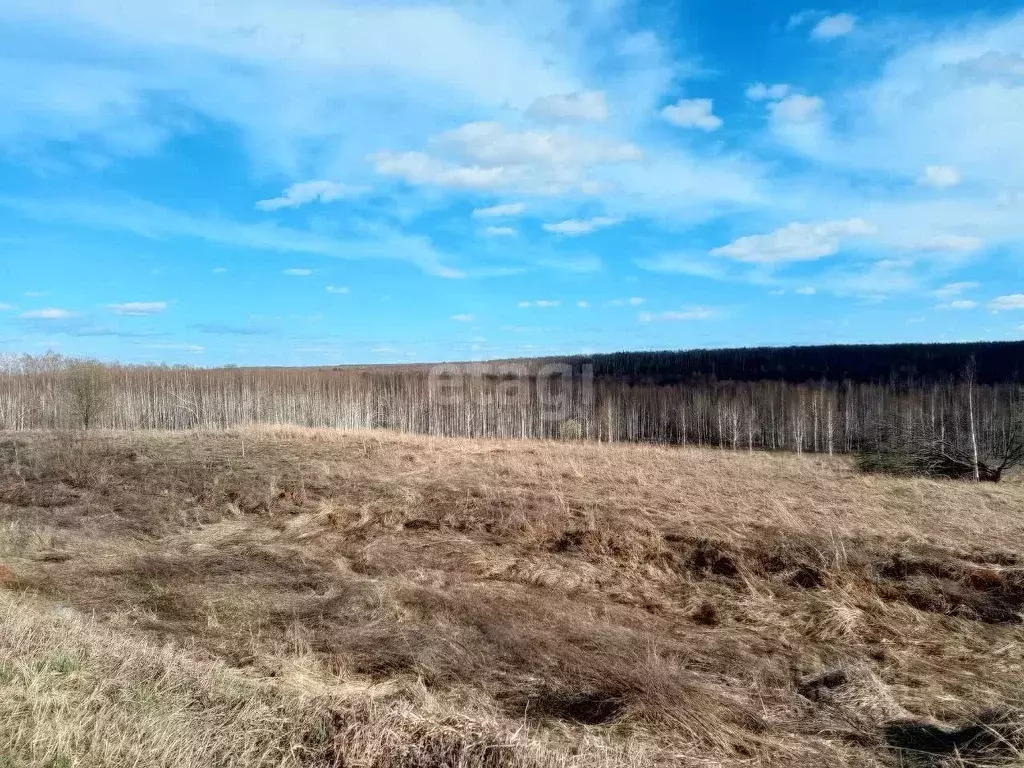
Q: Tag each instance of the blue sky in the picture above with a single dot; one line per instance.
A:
(319, 181)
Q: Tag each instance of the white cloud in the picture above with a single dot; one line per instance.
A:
(692, 313)
(762, 92)
(958, 304)
(139, 308)
(575, 227)
(319, 65)
(954, 289)
(50, 313)
(338, 289)
(462, 318)
(491, 144)
(796, 108)
(692, 113)
(939, 176)
(297, 272)
(346, 82)
(589, 105)
(949, 95)
(419, 168)
(795, 242)
(539, 303)
(1012, 301)
(486, 156)
(499, 211)
(500, 231)
(308, 192)
(832, 27)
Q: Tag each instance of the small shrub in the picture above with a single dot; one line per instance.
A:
(924, 461)
(570, 429)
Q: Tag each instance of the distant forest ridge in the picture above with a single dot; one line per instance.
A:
(998, 362)
(827, 399)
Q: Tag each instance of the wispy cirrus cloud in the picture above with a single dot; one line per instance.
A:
(634, 301)
(152, 221)
(675, 316)
(949, 290)
(499, 211)
(694, 264)
(541, 303)
(1011, 301)
(306, 192)
(576, 227)
(48, 313)
(138, 308)
(587, 106)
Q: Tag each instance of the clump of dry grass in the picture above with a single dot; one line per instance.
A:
(76, 693)
(458, 602)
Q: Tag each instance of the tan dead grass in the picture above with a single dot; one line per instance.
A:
(576, 603)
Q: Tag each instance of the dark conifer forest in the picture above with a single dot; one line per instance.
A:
(909, 364)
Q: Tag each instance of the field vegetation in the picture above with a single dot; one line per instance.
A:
(312, 597)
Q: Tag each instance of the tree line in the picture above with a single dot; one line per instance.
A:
(614, 401)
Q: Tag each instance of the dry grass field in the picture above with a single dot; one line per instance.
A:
(315, 598)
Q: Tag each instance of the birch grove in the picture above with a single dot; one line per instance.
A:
(508, 402)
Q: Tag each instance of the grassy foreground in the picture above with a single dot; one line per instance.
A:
(313, 598)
